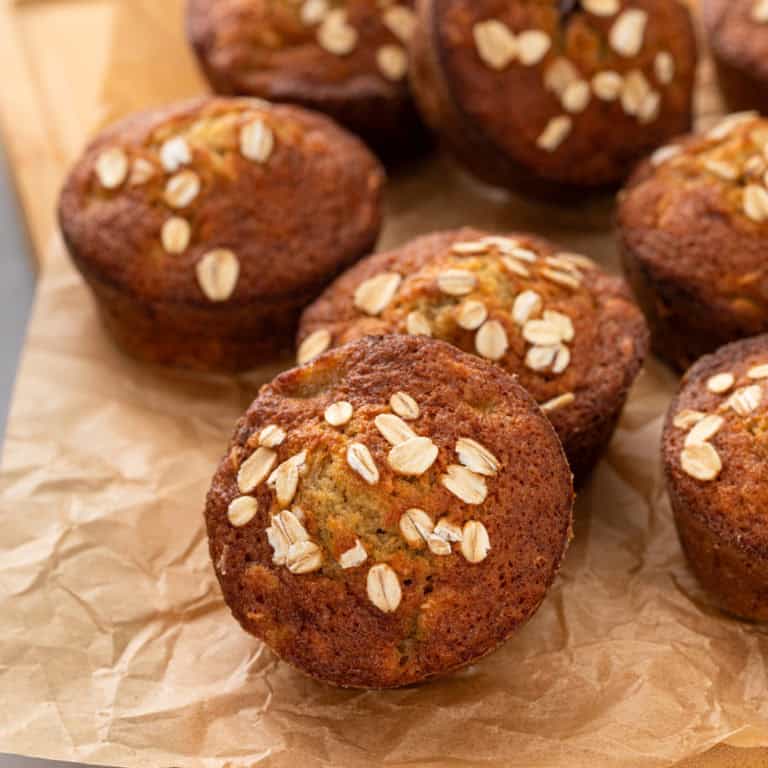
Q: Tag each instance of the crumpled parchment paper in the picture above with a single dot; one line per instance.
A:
(115, 646)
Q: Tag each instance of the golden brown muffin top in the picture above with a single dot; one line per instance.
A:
(738, 31)
(572, 88)
(570, 332)
(221, 200)
(716, 443)
(393, 510)
(696, 214)
(284, 46)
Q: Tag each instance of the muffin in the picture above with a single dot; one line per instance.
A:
(693, 225)
(392, 511)
(554, 97)
(715, 449)
(738, 36)
(568, 331)
(346, 58)
(204, 228)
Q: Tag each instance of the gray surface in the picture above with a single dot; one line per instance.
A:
(16, 292)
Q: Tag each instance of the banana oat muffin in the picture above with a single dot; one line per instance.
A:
(204, 228)
(346, 58)
(554, 96)
(693, 224)
(715, 450)
(568, 331)
(738, 36)
(392, 511)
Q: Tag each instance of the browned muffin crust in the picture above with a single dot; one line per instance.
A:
(552, 98)
(693, 225)
(205, 227)
(715, 450)
(738, 35)
(346, 58)
(443, 564)
(568, 331)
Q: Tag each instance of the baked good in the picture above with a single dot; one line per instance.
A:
(715, 450)
(203, 228)
(568, 331)
(693, 225)
(738, 37)
(553, 97)
(391, 511)
(345, 58)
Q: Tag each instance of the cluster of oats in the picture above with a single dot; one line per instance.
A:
(336, 34)
(173, 159)
(548, 332)
(411, 455)
(499, 47)
(735, 151)
(699, 458)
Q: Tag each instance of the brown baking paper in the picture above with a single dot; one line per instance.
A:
(115, 646)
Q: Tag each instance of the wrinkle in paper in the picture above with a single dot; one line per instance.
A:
(116, 646)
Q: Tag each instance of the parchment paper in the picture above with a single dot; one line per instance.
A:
(115, 646)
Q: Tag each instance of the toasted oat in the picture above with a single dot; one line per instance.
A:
(285, 530)
(242, 510)
(556, 403)
(383, 588)
(532, 46)
(754, 168)
(759, 11)
(182, 189)
(470, 247)
(416, 526)
(522, 254)
(257, 141)
(555, 133)
(141, 172)
(664, 67)
(607, 86)
(540, 358)
(663, 154)
(354, 556)
(175, 235)
(304, 557)
(404, 406)
(628, 32)
(476, 457)
(471, 315)
(701, 461)
(112, 168)
(175, 153)
(515, 267)
(705, 430)
(374, 295)
(650, 108)
(417, 324)
(634, 92)
(444, 535)
(687, 418)
(392, 62)
(729, 123)
(491, 341)
(335, 34)
(255, 469)
(756, 202)
(400, 21)
(601, 7)
(561, 278)
(439, 546)
(339, 414)
(560, 74)
(496, 44)
(393, 429)
(271, 436)
(746, 400)
(217, 274)
(576, 96)
(360, 460)
(313, 12)
(527, 305)
(285, 479)
(722, 169)
(758, 372)
(313, 346)
(465, 484)
(577, 261)
(456, 282)
(413, 457)
(475, 542)
(543, 333)
(562, 322)
(562, 359)
(720, 383)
